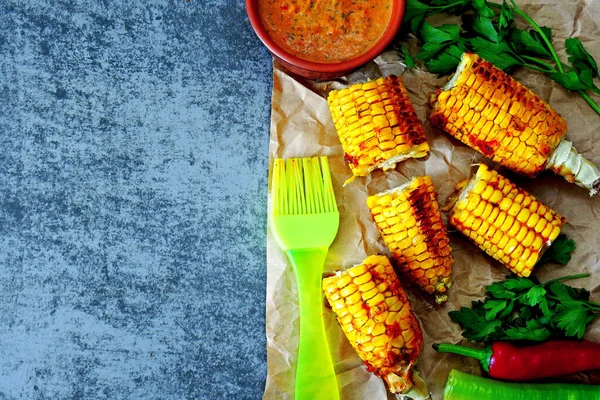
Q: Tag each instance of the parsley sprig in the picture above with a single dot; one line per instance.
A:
(489, 30)
(524, 309)
(559, 252)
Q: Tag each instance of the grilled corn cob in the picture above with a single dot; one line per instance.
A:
(500, 118)
(377, 125)
(376, 317)
(506, 222)
(409, 220)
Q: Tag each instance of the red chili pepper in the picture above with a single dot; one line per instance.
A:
(503, 360)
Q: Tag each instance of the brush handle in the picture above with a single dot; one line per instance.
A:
(315, 376)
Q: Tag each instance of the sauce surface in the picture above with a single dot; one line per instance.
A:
(325, 31)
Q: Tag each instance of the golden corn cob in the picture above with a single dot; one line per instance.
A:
(409, 220)
(500, 118)
(377, 125)
(376, 317)
(506, 222)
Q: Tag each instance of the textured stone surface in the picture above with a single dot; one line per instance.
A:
(133, 184)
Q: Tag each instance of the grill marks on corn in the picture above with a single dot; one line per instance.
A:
(376, 317)
(419, 200)
(505, 221)
(499, 117)
(377, 125)
(410, 224)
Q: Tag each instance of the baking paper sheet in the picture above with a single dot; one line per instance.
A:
(301, 126)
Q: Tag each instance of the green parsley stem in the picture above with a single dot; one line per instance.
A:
(442, 8)
(527, 18)
(559, 65)
(538, 69)
(589, 100)
(565, 278)
(593, 308)
(547, 67)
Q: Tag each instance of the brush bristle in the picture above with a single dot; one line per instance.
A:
(302, 186)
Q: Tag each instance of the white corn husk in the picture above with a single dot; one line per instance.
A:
(567, 162)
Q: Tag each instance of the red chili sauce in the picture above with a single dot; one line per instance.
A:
(325, 31)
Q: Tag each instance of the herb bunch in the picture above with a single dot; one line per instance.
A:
(523, 309)
(488, 29)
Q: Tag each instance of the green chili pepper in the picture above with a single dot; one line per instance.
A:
(462, 386)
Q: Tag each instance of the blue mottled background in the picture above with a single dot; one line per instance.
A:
(133, 181)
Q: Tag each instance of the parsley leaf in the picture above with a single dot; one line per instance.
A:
(573, 320)
(499, 291)
(579, 57)
(493, 307)
(408, 59)
(545, 30)
(518, 284)
(499, 54)
(525, 309)
(527, 333)
(438, 39)
(475, 326)
(535, 295)
(507, 310)
(465, 316)
(566, 295)
(480, 25)
(505, 19)
(481, 330)
(559, 252)
(415, 12)
(445, 61)
(529, 42)
(443, 48)
(482, 8)
(571, 80)
(444, 34)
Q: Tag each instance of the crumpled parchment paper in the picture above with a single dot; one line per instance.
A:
(301, 126)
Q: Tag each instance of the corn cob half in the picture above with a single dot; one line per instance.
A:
(377, 125)
(376, 317)
(500, 118)
(410, 222)
(506, 222)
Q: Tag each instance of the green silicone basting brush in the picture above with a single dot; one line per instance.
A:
(305, 221)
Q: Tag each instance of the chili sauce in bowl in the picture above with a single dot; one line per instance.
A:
(324, 39)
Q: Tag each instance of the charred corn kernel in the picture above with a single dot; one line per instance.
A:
(372, 136)
(390, 338)
(424, 246)
(517, 236)
(505, 131)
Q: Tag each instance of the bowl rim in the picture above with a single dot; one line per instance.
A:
(399, 7)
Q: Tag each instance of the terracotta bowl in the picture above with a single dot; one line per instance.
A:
(322, 71)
